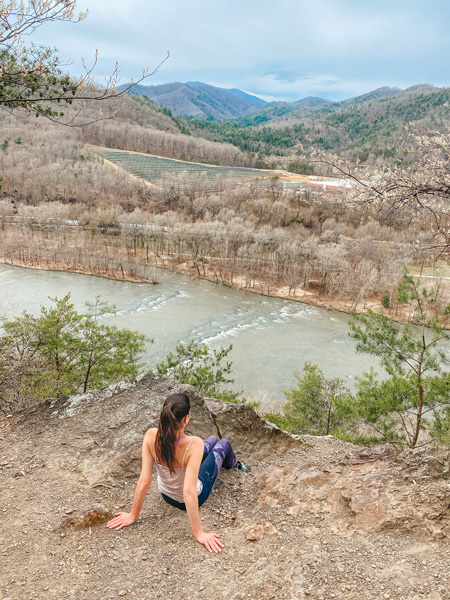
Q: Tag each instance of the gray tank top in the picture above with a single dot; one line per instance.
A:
(172, 484)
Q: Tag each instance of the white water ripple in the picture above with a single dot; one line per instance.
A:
(234, 330)
(148, 304)
(287, 313)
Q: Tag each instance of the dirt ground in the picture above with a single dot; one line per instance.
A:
(271, 551)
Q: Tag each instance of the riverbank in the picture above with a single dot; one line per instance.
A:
(58, 266)
(129, 257)
(140, 269)
(258, 287)
(272, 338)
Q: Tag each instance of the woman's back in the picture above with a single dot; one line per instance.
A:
(171, 483)
(182, 445)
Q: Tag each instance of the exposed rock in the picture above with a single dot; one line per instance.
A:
(319, 518)
(101, 432)
(374, 490)
(271, 530)
(249, 435)
(256, 531)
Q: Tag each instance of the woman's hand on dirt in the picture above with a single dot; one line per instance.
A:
(121, 520)
(211, 541)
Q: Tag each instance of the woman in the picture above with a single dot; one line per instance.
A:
(187, 468)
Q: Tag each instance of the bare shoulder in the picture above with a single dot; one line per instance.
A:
(150, 434)
(197, 442)
(197, 446)
(150, 437)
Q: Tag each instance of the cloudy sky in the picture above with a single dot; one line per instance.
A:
(276, 49)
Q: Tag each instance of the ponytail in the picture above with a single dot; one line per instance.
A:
(174, 409)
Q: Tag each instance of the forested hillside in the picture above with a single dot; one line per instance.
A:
(369, 128)
(63, 201)
(42, 159)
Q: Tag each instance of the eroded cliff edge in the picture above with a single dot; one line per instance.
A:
(318, 517)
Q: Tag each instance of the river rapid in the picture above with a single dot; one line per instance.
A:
(271, 337)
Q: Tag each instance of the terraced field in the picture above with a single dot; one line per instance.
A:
(151, 168)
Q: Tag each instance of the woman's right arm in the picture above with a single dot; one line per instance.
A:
(210, 540)
(143, 485)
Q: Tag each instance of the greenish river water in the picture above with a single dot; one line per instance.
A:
(271, 337)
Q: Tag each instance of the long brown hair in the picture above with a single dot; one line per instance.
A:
(175, 408)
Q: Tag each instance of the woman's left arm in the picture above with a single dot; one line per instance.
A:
(143, 485)
(210, 540)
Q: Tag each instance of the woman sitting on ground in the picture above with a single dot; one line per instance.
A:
(187, 468)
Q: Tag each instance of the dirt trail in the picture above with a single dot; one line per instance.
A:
(287, 533)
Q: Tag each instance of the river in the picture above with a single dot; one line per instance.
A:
(271, 337)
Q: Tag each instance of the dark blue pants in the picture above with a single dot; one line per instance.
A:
(216, 454)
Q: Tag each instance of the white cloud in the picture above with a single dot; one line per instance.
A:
(284, 49)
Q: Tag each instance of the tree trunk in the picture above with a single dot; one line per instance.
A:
(420, 407)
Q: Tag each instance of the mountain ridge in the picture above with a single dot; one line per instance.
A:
(369, 128)
(250, 98)
(199, 100)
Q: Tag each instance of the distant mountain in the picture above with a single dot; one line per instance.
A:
(277, 110)
(238, 93)
(196, 99)
(310, 101)
(422, 87)
(382, 92)
(370, 127)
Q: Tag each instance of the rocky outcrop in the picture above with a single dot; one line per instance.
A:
(373, 489)
(100, 433)
(252, 437)
(317, 517)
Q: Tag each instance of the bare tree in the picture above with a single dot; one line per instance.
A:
(417, 189)
(6, 210)
(32, 77)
